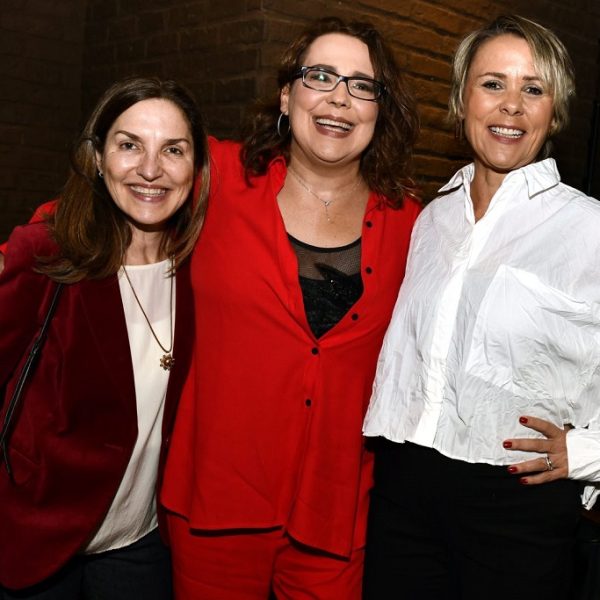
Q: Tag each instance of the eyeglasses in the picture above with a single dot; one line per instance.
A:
(324, 80)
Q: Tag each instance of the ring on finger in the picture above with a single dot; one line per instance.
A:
(549, 465)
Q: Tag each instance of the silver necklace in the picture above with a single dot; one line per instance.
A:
(167, 360)
(325, 203)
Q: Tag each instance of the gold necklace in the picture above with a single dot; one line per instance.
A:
(167, 360)
(325, 203)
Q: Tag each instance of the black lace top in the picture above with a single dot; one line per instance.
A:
(330, 282)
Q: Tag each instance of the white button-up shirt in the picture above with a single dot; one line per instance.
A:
(496, 319)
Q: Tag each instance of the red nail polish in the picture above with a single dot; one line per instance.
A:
(523, 480)
(512, 469)
(507, 444)
(523, 420)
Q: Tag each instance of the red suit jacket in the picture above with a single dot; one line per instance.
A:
(77, 425)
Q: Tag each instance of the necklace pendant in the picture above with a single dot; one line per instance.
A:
(167, 361)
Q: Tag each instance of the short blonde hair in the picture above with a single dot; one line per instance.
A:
(550, 58)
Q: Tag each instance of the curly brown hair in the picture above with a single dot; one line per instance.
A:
(92, 233)
(385, 164)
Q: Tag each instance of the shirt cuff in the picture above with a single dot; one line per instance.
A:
(583, 451)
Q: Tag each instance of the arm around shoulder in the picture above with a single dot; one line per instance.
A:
(40, 213)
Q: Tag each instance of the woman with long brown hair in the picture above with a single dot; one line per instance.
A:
(80, 456)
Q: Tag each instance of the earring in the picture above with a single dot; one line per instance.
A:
(100, 174)
(281, 115)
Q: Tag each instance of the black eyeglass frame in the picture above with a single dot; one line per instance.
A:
(300, 74)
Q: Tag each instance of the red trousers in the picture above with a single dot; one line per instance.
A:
(251, 566)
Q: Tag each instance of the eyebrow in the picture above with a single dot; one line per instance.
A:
(137, 138)
(503, 76)
(334, 69)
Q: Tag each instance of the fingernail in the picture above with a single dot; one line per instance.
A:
(523, 420)
(512, 469)
(523, 480)
(507, 444)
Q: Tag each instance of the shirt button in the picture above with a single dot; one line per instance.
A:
(315, 350)
(308, 402)
(354, 316)
(369, 224)
(368, 270)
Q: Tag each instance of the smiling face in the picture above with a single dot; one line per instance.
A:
(331, 128)
(508, 110)
(148, 163)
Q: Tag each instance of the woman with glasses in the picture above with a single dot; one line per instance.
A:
(295, 276)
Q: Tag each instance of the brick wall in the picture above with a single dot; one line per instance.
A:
(226, 52)
(577, 23)
(41, 46)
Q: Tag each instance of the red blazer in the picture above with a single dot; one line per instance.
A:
(77, 425)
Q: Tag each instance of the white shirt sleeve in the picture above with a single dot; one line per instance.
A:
(583, 448)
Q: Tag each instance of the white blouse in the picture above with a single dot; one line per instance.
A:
(133, 511)
(496, 319)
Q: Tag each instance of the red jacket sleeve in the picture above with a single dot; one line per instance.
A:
(22, 293)
(40, 213)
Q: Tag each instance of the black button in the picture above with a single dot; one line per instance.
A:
(315, 351)
(369, 224)
(308, 402)
(368, 270)
(354, 316)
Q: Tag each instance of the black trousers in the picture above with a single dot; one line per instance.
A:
(141, 571)
(443, 529)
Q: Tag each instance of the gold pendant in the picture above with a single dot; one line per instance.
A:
(167, 361)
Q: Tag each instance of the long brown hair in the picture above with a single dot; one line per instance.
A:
(92, 233)
(385, 163)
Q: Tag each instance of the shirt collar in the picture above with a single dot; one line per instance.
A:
(539, 176)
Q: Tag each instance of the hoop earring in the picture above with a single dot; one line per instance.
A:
(101, 174)
(282, 135)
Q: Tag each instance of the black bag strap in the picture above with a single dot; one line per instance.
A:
(24, 375)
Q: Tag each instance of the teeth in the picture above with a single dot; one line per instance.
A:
(507, 131)
(332, 123)
(148, 191)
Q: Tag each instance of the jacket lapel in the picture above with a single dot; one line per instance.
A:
(183, 342)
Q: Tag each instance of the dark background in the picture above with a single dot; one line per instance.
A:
(57, 56)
